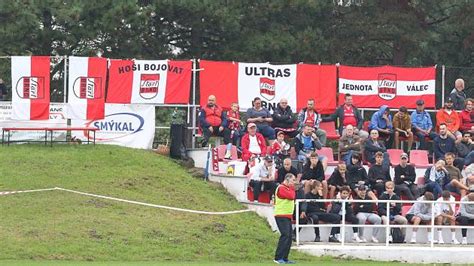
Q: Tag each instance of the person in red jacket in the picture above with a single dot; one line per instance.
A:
(467, 117)
(253, 143)
(213, 121)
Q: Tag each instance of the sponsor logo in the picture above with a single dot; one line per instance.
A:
(115, 126)
(387, 86)
(149, 85)
(88, 87)
(267, 88)
(30, 87)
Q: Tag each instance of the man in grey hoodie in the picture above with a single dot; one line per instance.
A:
(466, 214)
(420, 212)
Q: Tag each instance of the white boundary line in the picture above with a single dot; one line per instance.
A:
(124, 200)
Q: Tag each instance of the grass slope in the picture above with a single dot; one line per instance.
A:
(62, 226)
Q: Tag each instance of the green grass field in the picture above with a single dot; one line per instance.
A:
(60, 228)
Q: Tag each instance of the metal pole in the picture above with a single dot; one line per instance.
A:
(432, 225)
(343, 223)
(65, 80)
(194, 105)
(443, 79)
(387, 229)
(297, 223)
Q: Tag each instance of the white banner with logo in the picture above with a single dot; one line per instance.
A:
(57, 118)
(124, 124)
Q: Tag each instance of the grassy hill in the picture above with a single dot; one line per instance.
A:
(57, 225)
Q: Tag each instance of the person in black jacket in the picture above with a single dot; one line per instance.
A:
(287, 168)
(336, 208)
(405, 179)
(316, 211)
(365, 211)
(373, 145)
(283, 119)
(378, 175)
(314, 170)
(395, 208)
(357, 175)
(337, 180)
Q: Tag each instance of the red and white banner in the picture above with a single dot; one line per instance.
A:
(242, 82)
(30, 87)
(86, 91)
(387, 85)
(149, 81)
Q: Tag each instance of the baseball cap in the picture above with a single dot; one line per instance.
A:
(404, 155)
(420, 102)
(249, 125)
(448, 100)
(268, 158)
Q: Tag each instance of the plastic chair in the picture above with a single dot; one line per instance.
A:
(419, 158)
(330, 128)
(327, 151)
(221, 149)
(394, 156)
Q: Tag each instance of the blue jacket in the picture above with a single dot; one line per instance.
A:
(421, 120)
(377, 121)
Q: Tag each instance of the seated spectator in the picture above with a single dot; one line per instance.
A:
(395, 208)
(213, 122)
(283, 119)
(263, 178)
(457, 94)
(357, 175)
(348, 114)
(378, 175)
(455, 184)
(420, 212)
(314, 170)
(450, 118)
(444, 214)
(337, 180)
(466, 214)
(336, 208)
(405, 179)
(235, 124)
(465, 148)
(422, 124)
(443, 143)
(466, 117)
(306, 143)
(349, 143)
(366, 211)
(468, 175)
(287, 168)
(402, 127)
(316, 211)
(301, 190)
(436, 178)
(253, 143)
(280, 148)
(382, 122)
(372, 146)
(310, 117)
(261, 117)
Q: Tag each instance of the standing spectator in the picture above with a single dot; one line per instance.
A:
(365, 211)
(348, 114)
(306, 142)
(382, 122)
(349, 143)
(262, 118)
(337, 180)
(283, 119)
(450, 118)
(287, 168)
(3, 91)
(395, 208)
(402, 127)
(466, 214)
(467, 116)
(378, 175)
(422, 124)
(234, 124)
(314, 170)
(213, 122)
(465, 148)
(458, 95)
(444, 214)
(336, 208)
(455, 184)
(443, 143)
(405, 178)
(284, 208)
(374, 145)
(253, 143)
(420, 212)
(436, 178)
(310, 117)
(263, 177)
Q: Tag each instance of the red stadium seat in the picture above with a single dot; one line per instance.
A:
(221, 149)
(419, 158)
(394, 156)
(327, 151)
(405, 209)
(330, 128)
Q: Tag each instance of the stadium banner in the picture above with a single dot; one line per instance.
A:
(30, 87)
(387, 85)
(242, 82)
(149, 81)
(57, 118)
(86, 90)
(129, 125)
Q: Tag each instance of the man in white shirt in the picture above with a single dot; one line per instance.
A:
(263, 176)
(445, 214)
